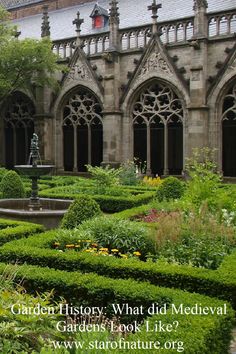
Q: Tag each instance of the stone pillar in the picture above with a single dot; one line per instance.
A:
(198, 110)
(43, 125)
(112, 116)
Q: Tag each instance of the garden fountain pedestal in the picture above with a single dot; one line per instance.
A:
(34, 173)
(47, 212)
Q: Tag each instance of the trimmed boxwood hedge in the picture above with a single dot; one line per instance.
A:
(35, 250)
(199, 333)
(109, 204)
(10, 230)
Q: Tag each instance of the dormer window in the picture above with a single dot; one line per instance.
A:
(99, 17)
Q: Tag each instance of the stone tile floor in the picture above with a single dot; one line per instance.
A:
(233, 343)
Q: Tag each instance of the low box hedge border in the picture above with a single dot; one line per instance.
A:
(35, 250)
(199, 333)
(109, 204)
(10, 230)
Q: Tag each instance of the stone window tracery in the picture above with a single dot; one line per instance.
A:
(19, 127)
(82, 125)
(158, 112)
(229, 132)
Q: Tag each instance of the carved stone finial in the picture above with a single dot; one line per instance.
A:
(78, 22)
(154, 8)
(197, 4)
(45, 28)
(114, 14)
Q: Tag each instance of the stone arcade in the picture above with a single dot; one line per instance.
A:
(134, 89)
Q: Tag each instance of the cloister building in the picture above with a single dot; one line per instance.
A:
(145, 80)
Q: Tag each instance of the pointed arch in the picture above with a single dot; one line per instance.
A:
(228, 124)
(18, 128)
(157, 119)
(82, 130)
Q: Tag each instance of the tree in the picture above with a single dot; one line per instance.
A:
(23, 62)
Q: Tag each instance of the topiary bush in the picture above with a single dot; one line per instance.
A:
(3, 171)
(83, 208)
(171, 188)
(12, 186)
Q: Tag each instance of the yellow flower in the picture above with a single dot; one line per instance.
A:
(104, 253)
(138, 254)
(103, 249)
(123, 256)
(114, 250)
(70, 246)
(56, 244)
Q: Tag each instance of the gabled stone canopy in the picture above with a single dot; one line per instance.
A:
(155, 62)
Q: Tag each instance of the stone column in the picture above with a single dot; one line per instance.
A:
(112, 116)
(198, 110)
(43, 125)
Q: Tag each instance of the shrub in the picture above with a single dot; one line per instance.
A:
(12, 186)
(38, 250)
(209, 334)
(3, 171)
(108, 204)
(124, 235)
(10, 230)
(83, 208)
(171, 188)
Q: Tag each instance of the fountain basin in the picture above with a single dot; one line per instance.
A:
(34, 171)
(50, 216)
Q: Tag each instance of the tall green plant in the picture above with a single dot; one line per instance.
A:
(104, 177)
(204, 179)
(22, 331)
(128, 175)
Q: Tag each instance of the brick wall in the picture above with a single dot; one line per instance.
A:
(34, 9)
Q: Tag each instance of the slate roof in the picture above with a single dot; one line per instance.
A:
(132, 13)
(10, 4)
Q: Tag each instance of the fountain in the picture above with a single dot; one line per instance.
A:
(44, 211)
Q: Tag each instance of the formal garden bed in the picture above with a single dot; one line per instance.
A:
(164, 237)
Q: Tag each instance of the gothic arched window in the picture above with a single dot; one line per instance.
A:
(82, 131)
(229, 132)
(158, 129)
(19, 128)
